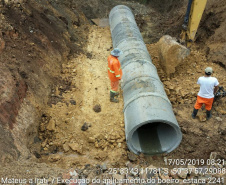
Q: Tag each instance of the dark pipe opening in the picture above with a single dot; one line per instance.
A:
(154, 138)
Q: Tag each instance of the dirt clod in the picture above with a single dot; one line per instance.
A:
(51, 125)
(66, 147)
(91, 140)
(97, 108)
(85, 126)
(55, 158)
(37, 155)
(73, 102)
(132, 157)
(202, 117)
(219, 119)
(104, 167)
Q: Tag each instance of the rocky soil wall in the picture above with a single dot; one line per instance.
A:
(36, 38)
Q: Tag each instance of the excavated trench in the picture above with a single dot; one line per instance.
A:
(54, 82)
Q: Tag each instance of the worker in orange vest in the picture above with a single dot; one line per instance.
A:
(114, 73)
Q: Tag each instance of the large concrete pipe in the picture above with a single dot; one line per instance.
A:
(150, 125)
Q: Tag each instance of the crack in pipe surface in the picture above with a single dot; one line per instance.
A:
(150, 124)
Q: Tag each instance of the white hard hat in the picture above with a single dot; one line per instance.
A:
(209, 70)
(116, 52)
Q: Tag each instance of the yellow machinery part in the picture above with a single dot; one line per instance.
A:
(196, 12)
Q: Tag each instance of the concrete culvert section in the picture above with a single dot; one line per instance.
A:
(153, 138)
(150, 125)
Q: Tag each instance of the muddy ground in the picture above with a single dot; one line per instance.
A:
(53, 66)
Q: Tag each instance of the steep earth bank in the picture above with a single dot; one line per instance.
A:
(36, 38)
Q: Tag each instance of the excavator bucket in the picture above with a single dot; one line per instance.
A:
(171, 53)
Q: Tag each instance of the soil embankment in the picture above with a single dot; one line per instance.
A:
(38, 37)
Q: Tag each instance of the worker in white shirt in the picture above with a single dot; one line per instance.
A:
(208, 87)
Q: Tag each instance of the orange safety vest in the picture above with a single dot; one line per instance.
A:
(114, 69)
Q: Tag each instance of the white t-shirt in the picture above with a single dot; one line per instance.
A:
(207, 85)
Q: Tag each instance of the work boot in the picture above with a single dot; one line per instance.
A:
(112, 97)
(208, 114)
(194, 113)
